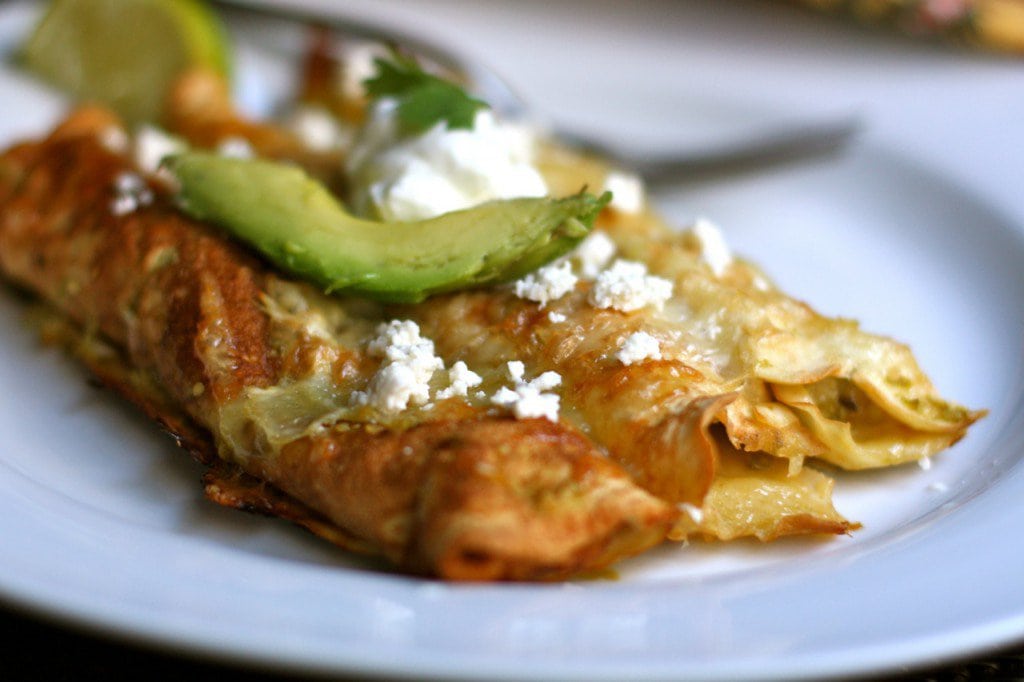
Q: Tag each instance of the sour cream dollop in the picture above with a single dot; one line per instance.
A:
(398, 177)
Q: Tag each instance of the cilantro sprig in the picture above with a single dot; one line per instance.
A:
(423, 98)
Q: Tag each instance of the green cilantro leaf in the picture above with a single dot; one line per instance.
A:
(423, 98)
(394, 77)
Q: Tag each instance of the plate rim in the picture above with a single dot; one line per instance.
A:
(927, 650)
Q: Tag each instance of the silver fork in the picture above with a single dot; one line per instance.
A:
(791, 143)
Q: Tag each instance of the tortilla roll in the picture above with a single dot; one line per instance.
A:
(176, 317)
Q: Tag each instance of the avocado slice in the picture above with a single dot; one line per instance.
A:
(301, 227)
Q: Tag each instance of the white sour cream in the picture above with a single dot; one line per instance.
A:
(397, 177)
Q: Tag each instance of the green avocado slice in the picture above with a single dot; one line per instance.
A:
(302, 228)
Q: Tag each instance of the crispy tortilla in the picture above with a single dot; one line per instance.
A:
(255, 374)
(463, 495)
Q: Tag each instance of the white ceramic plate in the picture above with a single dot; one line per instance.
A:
(103, 522)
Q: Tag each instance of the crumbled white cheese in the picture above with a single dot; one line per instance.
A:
(627, 286)
(637, 347)
(504, 396)
(714, 250)
(547, 381)
(152, 145)
(401, 178)
(235, 148)
(316, 129)
(115, 139)
(396, 333)
(460, 379)
(360, 65)
(556, 318)
(516, 370)
(528, 399)
(695, 513)
(130, 192)
(404, 377)
(122, 205)
(526, 402)
(547, 283)
(594, 253)
(129, 183)
(394, 387)
(627, 191)
(399, 341)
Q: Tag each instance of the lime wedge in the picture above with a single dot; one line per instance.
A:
(125, 53)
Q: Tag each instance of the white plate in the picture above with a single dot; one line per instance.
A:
(103, 522)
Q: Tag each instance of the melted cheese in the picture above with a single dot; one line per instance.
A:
(735, 366)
